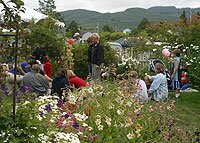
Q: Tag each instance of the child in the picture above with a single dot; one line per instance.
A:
(140, 91)
(158, 88)
(176, 72)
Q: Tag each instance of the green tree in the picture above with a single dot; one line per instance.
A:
(107, 28)
(72, 28)
(183, 18)
(48, 7)
(143, 24)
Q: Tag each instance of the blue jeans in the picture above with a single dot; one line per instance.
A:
(185, 86)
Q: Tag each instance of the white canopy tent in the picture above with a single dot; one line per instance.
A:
(31, 14)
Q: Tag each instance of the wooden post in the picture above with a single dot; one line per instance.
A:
(15, 72)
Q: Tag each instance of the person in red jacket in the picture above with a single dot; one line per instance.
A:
(75, 81)
(47, 67)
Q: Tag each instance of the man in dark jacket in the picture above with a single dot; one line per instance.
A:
(97, 56)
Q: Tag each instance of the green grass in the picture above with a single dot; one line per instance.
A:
(187, 111)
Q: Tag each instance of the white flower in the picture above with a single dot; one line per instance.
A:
(184, 50)
(98, 121)
(108, 121)
(130, 136)
(154, 50)
(80, 117)
(187, 48)
(119, 112)
(85, 125)
(100, 127)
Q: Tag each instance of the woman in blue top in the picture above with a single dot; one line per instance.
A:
(158, 88)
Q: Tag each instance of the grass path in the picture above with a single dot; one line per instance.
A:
(187, 110)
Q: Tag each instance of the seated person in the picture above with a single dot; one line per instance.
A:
(60, 82)
(75, 81)
(140, 89)
(22, 69)
(184, 82)
(36, 81)
(158, 87)
(38, 54)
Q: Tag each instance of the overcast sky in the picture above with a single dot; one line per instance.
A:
(114, 5)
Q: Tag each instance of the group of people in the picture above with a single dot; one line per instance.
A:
(156, 87)
(38, 74)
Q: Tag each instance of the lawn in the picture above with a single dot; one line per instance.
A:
(187, 111)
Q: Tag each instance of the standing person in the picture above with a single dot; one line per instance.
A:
(176, 72)
(47, 67)
(158, 87)
(75, 81)
(97, 56)
(36, 81)
(60, 82)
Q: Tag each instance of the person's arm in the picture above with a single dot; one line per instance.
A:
(100, 54)
(20, 69)
(155, 84)
(175, 69)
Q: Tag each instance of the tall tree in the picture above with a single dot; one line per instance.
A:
(143, 24)
(48, 7)
(107, 28)
(72, 28)
(183, 18)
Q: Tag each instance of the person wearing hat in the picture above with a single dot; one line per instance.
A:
(77, 38)
(35, 80)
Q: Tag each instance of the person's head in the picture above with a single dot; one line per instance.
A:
(133, 74)
(159, 68)
(76, 36)
(70, 73)
(95, 38)
(176, 53)
(35, 68)
(62, 72)
(46, 58)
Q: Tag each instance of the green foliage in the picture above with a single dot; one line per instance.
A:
(44, 35)
(130, 18)
(72, 28)
(143, 24)
(108, 36)
(107, 28)
(80, 56)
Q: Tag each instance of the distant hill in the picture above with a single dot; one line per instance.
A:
(129, 18)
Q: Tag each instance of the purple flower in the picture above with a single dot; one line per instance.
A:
(133, 119)
(75, 125)
(48, 108)
(60, 103)
(22, 89)
(139, 114)
(66, 116)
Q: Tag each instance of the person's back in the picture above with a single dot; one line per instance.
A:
(37, 81)
(140, 89)
(141, 93)
(159, 87)
(60, 82)
(77, 82)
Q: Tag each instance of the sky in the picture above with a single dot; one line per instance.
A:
(104, 6)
